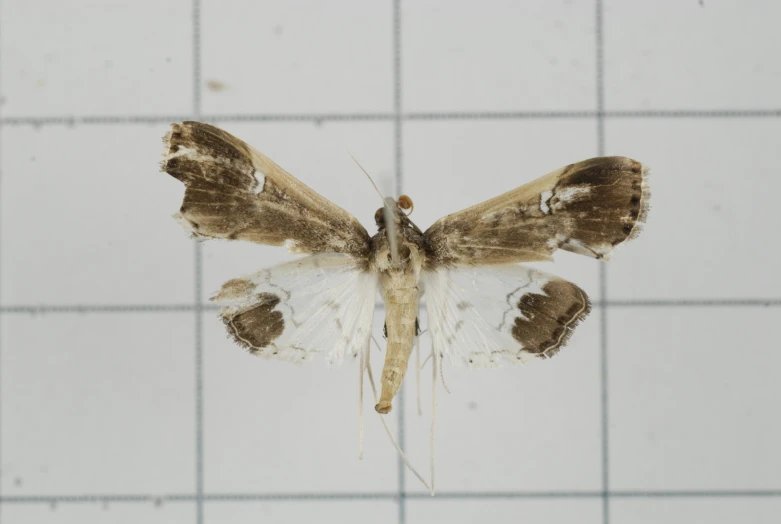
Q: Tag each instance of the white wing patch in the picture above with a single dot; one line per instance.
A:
(480, 316)
(320, 304)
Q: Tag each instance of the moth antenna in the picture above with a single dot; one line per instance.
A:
(417, 374)
(387, 211)
(433, 411)
(385, 424)
(425, 362)
(442, 375)
(368, 176)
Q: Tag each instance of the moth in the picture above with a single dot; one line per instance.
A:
(484, 308)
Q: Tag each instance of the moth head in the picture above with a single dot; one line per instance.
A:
(405, 203)
(397, 209)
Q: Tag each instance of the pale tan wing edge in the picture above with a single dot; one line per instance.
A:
(234, 192)
(588, 207)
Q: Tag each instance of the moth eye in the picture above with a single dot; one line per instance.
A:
(405, 203)
(379, 219)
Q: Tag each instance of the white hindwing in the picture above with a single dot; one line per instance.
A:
(320, 304)
(480, 316)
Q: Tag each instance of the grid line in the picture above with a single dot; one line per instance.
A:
(390, 495)
(198, 283)
(1, 327)
(66, 120)
(599, 49)
(179, 308)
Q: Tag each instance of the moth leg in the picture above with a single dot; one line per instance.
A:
(363, 365)
(433, 410)
(417, 368)
(442, 373)
(418, 332)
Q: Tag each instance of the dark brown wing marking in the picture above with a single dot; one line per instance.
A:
(258, 327)
(589, 208)
(234, 192)
(547, 321)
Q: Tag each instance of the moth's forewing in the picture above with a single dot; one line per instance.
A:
(234, 192)
(588, 207)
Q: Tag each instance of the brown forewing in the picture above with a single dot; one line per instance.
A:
(234, 192)
(588, 207)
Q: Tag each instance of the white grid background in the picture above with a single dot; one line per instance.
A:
(121, 399)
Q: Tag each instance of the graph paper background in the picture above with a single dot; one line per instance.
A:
(122, 400)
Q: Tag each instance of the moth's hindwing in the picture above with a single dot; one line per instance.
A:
(589, 208)
(320, 304)
(481, 316)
